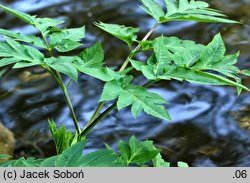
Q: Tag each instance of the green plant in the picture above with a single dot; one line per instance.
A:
(171, 58)
(132, 153)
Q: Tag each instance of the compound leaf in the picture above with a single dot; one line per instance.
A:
(158, 161)
(62, 138)
(126, 34)
(138, 97)
(23, 16)
(93, 56)
(42, 24)
(184, 10)
(136, 152)
(14, 52)
(153, 9)
(212, 53)
(63, 65)
(67, 39)
(90, 62)
(185, 60)
(36, 41)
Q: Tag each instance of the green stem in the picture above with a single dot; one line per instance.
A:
(97, 111)
(64, 88)
(89, 127)
(123, 67)
(132, 54)
(72, 112)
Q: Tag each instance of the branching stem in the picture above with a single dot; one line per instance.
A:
(64, 88)
(89, 127)
(123, 67)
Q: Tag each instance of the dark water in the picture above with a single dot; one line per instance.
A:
(207, 121)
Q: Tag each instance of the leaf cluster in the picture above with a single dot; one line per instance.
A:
(171, 59)
(183, 10)
(178, 59)
(134, 153)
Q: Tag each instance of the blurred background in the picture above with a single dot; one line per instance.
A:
(210, 125)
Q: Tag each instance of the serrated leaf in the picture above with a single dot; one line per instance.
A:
(63, 65)
(184, 10)
(138, 97)
(14, 52)
(158, 161)
(125, 151)
(141, 152)
(93, 56)
(101, 73)
(42, 24)
(126, 34)
(153, 9)
(90, 62)
(67, 45)
(185, 60)
(136, 152)
(70, 156)
(36, 41)
(23, 16)
(62, 138)
(67, 39)
(45, 24)
(213, 53)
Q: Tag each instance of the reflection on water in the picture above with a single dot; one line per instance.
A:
(204, 130)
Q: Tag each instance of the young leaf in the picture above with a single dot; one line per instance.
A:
(185, 60)
(63, 65)
(126, 34)
(212, 53)
(62, 138)
(141, 152)
(23, 16)
(45, 25)
(42, 24)
(125, 151)
(67, 39)
(70, 156)
(13, 52)
(31, 39)
(138, 97)
(137, 152)
(184, 10)
(93, 56)
(153, 9)
(90, 62)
